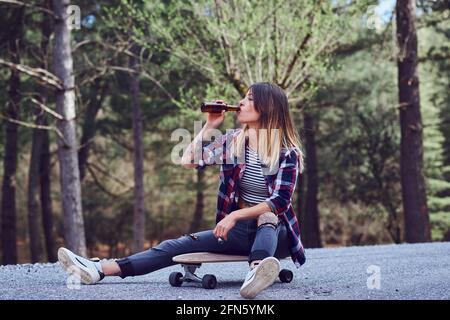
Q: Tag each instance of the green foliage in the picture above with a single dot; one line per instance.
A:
(435, 100)
(440, 223)
(233, 48)
(359, 135)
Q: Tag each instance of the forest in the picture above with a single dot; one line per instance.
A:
(93, 93)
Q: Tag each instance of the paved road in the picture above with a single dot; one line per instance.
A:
(407, 271)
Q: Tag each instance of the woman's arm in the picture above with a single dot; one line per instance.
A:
(226, 224)
(189, 154)
(213, 121)
(250, 212)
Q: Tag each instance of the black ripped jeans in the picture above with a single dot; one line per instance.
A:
(244, 239)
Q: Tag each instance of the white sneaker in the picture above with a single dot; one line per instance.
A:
(84, 268)
(260, 277)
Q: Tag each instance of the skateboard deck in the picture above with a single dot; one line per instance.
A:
(207, 257)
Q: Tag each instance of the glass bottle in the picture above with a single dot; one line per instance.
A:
(217, 107)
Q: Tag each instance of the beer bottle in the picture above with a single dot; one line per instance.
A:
(217, 107)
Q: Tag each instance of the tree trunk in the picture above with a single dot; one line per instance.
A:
(311, 224)
(417, 228)
(34, 173)
(90, 124)
(200, 203)
(46, 200)
(67, 147)
(34, 223)
(9, 228)
(138, 155)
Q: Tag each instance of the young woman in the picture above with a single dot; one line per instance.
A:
(260, 163)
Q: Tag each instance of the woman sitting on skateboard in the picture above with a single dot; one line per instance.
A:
(260, 163)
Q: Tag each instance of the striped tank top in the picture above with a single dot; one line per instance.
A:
(252, 187)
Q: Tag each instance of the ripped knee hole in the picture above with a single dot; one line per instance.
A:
(267, 218)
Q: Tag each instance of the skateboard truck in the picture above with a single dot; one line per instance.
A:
(176, 279)
(189, 273)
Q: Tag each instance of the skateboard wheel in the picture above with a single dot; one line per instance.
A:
(176, 279)
(286, 275)
(209, 281)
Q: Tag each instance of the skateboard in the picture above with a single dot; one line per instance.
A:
(192, 261)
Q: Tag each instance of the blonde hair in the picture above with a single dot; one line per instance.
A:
(276, 129)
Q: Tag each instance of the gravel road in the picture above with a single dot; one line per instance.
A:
(406, 271)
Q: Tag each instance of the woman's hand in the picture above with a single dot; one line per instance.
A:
(214, 120)
(225, 225)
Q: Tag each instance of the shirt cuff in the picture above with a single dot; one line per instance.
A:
(271, 205)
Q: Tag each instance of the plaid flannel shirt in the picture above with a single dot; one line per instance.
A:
(281, 185)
